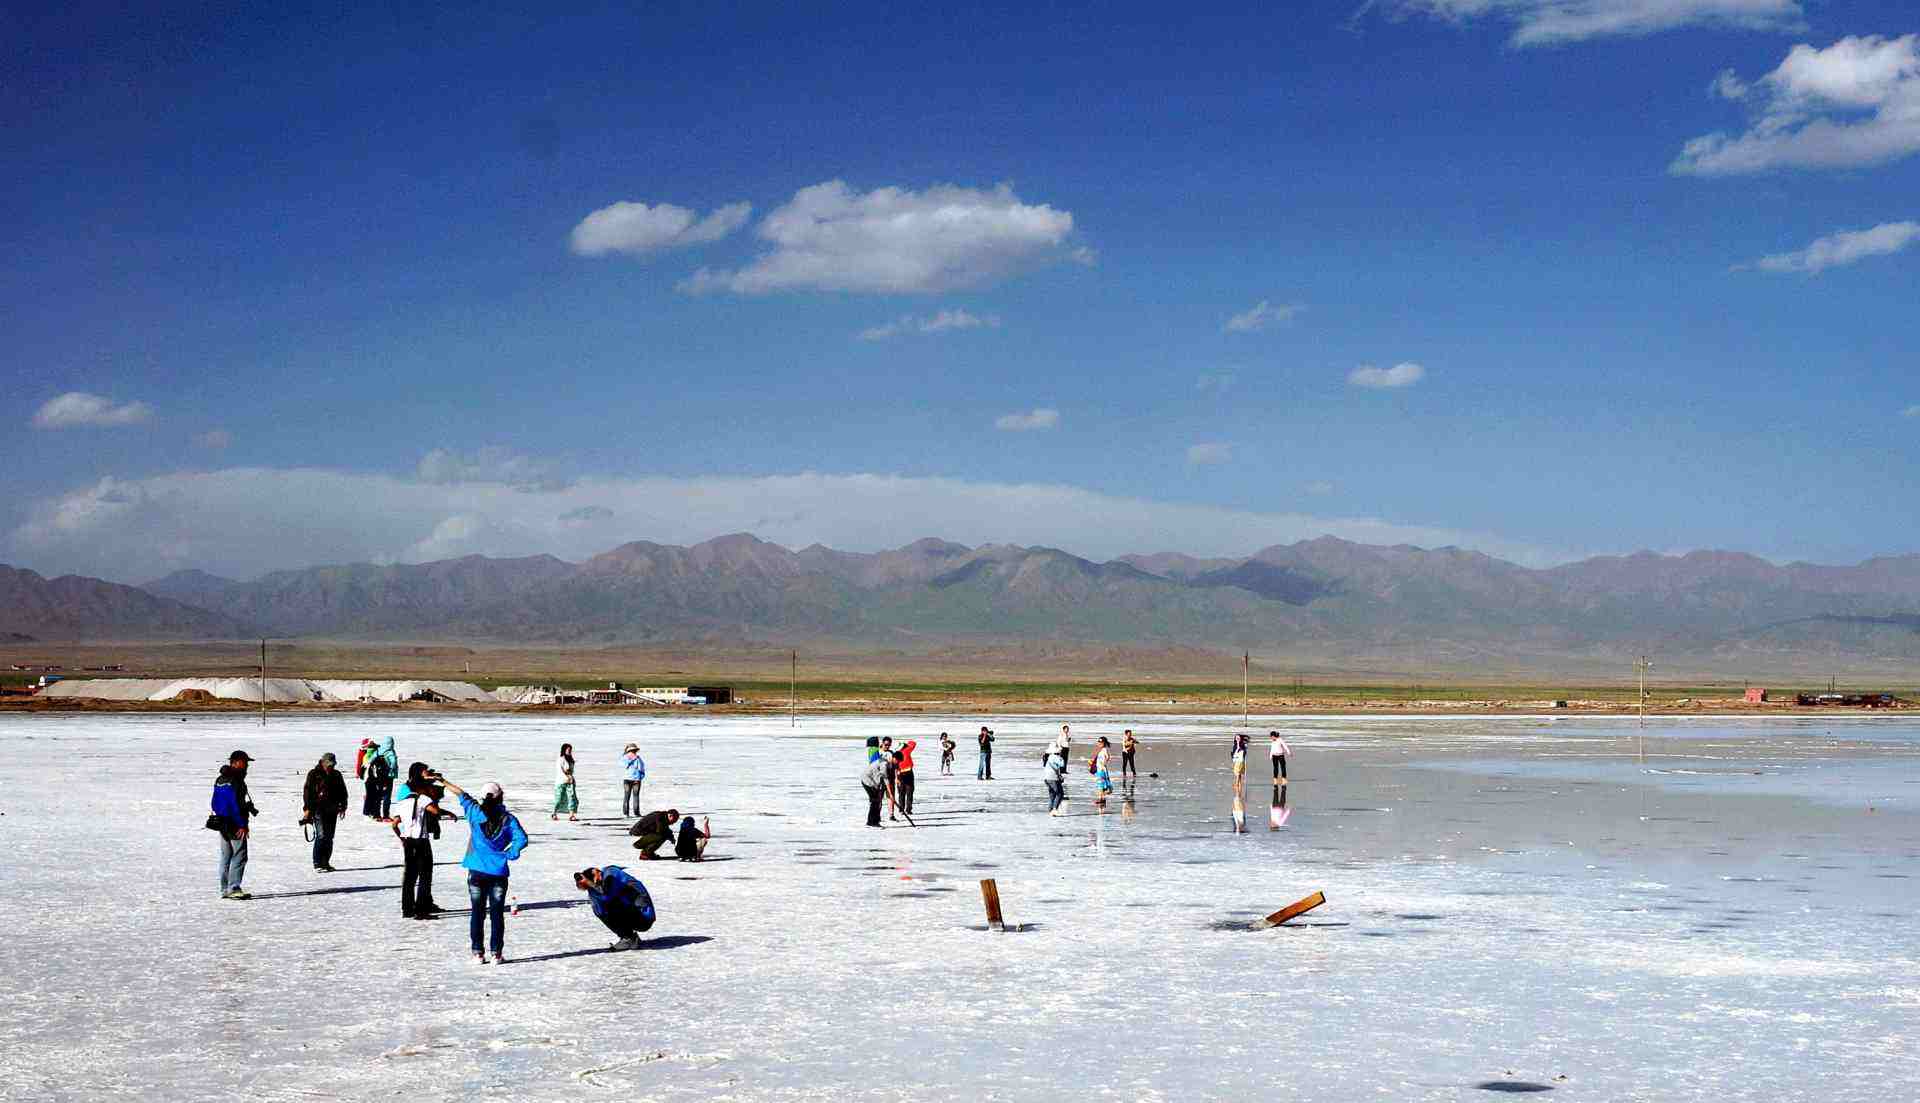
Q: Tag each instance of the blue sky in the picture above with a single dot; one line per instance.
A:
(292, 287)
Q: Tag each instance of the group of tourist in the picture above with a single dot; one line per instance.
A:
(414, 812)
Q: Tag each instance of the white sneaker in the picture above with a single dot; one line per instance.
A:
(479, 959)
(627, 944)
(499, 959)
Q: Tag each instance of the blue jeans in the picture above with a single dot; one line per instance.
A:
(233, 863)
(323, 827)
(986, 766)
(488, 895)
(1056, 793)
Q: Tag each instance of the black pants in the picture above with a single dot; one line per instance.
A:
(903, 792)
(1126, 764)
(323, 826)
(1279, 765)
(626, 922)
(379, 802)
(416, 884)
(874, 797)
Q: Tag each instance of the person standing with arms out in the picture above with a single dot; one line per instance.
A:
(232, 809)
(636, 773)
(1128, 745)
(415, 827)
(903, 781)
(620, 901)
(947, 746)
(1054, 773)
(985, 772)
(494, 838)
(874, 780)
(1277, 748)
(322, 802)
(382, 767)
(566, 798)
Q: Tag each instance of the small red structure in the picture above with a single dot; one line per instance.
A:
(1756, 695)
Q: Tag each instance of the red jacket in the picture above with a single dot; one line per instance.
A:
(906, 756)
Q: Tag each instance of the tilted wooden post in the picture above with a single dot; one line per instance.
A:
(1297, 908)
(990, 893)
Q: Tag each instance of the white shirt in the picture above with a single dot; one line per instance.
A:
(412, 815)
(561, 772)
(1278, 748)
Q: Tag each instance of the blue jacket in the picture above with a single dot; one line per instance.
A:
(489, 854)
(621, 891)
(636, 768)
(227, 801)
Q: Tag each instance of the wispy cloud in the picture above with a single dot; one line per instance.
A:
(242, 521)
(498, 466)
(1319, 488)
(1400, 375)
(1853, 104)
(1219, 382)
(1262, 315)
(1841, 249)
(829, 237)
(1911, 411)
(1042, 418)
(78, 409)
(637, 229)
(1550, 22)
(1209, 454)
(213, 439)
(926, 326)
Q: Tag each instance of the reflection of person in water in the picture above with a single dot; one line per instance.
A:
(1239, 806)
(1278, 814)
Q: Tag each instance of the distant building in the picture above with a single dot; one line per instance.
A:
(1756, 695)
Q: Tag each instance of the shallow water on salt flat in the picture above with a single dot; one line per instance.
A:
(1510, 901)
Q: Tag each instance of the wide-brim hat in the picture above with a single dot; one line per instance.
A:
(634, 747)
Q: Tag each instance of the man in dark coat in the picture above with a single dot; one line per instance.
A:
(653, 831)
(322, 802)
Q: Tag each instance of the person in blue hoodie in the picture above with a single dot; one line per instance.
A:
(231, 810)
(494, 838)
(620, 901)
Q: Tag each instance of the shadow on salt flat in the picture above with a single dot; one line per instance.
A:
(670, 942)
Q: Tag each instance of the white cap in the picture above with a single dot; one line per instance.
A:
(493, 790)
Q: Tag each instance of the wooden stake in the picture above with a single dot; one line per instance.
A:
(990, 893)
(1291, 911)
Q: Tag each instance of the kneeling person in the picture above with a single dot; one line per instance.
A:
(653, 831)
(620, 901)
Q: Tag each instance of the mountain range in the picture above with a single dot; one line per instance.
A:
(1326, 597)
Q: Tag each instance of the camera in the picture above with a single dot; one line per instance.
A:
(306, 819)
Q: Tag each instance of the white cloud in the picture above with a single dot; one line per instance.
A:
(1209, 454)
(1841, 249)
(1042, 418)
(214, 439)
(442, 467)
(1853, 104)
(586, 515)
(1219, 382)
(1261, 315)
(939, 322)
(1911, 411)
(1320, 488)
(829, 237)
(1400, 375)
(1548, 22)
(240, 522)
(636, 229)
(77, 409)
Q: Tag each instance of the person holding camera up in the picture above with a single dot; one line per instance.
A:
(232, 808)
(985, 771)
(322, 802)
(417, 825)
(620, 901)
(494, 838)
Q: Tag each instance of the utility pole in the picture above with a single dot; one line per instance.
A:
(1642, 665)
(263, 683)
(793, 688)
(1246, 664)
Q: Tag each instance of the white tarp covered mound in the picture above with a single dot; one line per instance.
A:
(525, 695)
(279, 690)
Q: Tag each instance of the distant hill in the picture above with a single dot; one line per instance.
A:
(1326, 598)
(74, 608)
